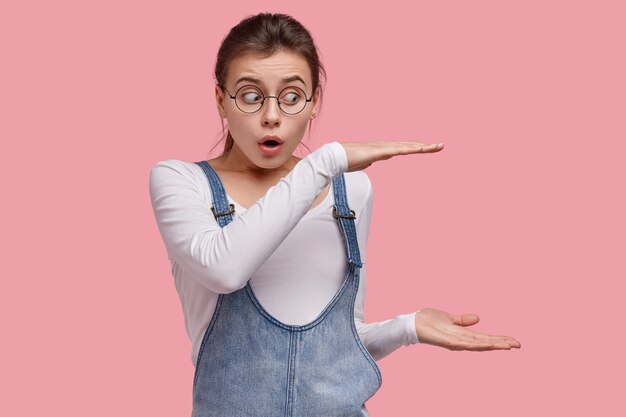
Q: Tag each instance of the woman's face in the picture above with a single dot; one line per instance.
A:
(270, 75)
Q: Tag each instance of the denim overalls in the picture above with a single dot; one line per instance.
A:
(251, 364)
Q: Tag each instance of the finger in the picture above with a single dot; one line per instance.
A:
(478, 335)
(433, 148)
(471, 345)
(403, 148)
(481, 337)
(463, 344)
(415, 147)
(465, 319)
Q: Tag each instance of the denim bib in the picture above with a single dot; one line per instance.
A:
(251, 364)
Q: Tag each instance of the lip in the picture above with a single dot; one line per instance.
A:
(271, 137)
(266, 150)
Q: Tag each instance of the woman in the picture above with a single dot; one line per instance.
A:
(267, 249)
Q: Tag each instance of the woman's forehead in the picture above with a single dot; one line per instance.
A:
(282, 67)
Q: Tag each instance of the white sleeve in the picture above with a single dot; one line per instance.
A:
(382, 337)
(224, 259)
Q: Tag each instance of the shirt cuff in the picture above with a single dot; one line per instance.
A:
(409, 327)
(340, 157)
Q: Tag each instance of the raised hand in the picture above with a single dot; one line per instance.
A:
(438, 328)
(363, 154)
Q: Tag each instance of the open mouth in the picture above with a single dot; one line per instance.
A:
(271, 143)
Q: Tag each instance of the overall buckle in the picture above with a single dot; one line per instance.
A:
(337, 215)
(232, 210)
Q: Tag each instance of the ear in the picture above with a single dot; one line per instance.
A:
(219, 100)
(316, 101)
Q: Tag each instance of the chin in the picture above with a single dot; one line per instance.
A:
(272, 163)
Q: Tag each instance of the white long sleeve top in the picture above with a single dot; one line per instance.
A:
(295, 258)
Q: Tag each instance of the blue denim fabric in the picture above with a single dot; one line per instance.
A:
(251, 364)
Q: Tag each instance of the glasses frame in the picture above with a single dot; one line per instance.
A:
(266, 97)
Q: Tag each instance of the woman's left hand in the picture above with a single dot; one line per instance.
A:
(438, 328)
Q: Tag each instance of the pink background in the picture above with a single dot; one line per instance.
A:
(520, 219)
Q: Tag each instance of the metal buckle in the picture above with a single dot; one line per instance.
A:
(232, 210)
(337, 215)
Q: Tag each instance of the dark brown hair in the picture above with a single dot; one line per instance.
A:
(265, 34)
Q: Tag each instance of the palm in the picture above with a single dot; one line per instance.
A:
(439, 328)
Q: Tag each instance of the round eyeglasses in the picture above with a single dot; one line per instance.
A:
(250, 99)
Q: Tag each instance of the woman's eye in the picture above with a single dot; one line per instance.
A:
(251, 97)
(290, 98)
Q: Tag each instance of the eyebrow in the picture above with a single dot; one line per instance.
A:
(257, 81)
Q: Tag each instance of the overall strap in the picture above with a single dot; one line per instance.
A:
(345, 216)
(221, 208)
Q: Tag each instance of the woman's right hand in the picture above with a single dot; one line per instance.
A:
(363, 154)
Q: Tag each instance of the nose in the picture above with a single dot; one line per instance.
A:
(271, 112)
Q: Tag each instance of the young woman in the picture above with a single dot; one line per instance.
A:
(267, 249)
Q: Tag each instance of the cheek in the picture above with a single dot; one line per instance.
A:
(240, 126)
(300, 127)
